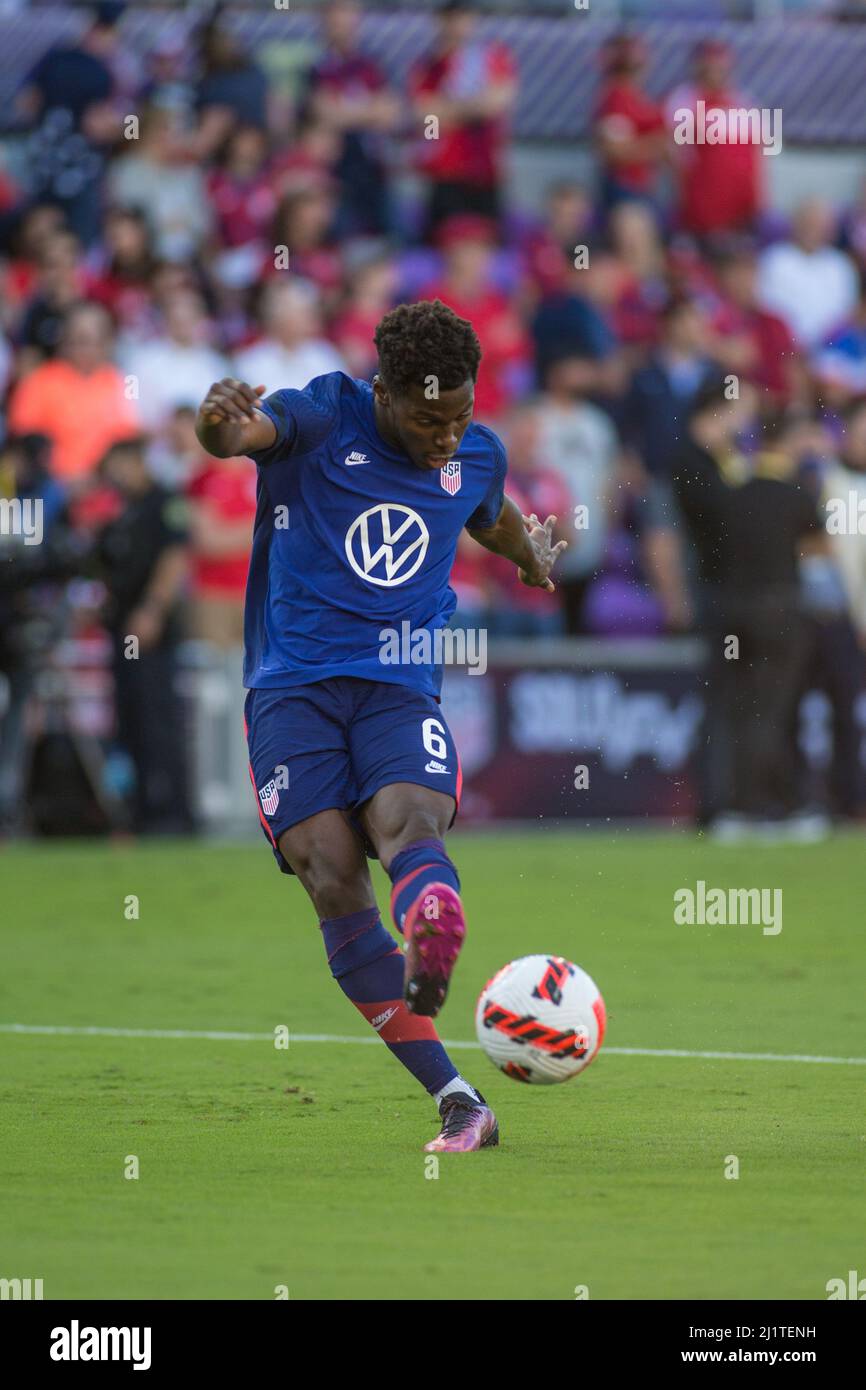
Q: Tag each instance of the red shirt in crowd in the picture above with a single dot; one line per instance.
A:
(470, 151)
(719, 185)
(352, 333)
(20, 280)
(504, 342)
(352, 76)
(321, 265)
(470, 574)
(773, 344)
(10, 193)
(244, 208)
(636, 313)
(546, 262)
(130, 301)
(625, 110)
(228, 490)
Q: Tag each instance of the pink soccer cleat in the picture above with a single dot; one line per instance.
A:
(434, 930)
(467, 1124)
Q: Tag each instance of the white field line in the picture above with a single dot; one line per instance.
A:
(214, 1035)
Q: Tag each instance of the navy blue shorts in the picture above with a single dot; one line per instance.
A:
(335, 743)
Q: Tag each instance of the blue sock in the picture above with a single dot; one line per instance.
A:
(367, 964)
(412, 869)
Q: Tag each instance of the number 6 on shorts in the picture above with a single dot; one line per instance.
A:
(433, 735)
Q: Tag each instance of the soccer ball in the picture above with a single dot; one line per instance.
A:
(540, 1019)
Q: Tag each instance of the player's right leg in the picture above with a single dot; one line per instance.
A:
(408, 773)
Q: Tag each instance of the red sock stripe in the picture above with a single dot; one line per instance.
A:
(394, 1023)
(402, 882)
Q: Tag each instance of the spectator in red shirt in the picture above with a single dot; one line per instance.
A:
(303, 227)
(749, 340)
(348, 92)
(549, 251)
(240, 189)
(10, 193)
(467, 289)
(222, 506)
(310, 160)
(618, 298)
(634, 234)
(469, 85)
(629, 126)
(124, 285)
(719, 186)
(35, 228)
(372, 293)
(472, 584)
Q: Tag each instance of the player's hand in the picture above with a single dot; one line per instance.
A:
(230, 401)
(546, 553)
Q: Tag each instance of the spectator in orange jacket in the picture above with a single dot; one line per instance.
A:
(79, 399)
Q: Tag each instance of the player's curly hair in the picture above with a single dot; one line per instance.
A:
(417, 341)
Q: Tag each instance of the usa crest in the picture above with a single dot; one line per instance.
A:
(269, 797)
(449, 476)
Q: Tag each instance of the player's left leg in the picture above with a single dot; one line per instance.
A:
(407, 825)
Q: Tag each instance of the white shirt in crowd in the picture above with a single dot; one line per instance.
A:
(174, 197)
(170, 375)
(813, 291)
(580, 442)
(268, 363)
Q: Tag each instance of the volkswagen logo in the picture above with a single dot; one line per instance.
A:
(389, 539)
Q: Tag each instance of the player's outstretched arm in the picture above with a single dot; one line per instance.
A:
(228, 423)
(525, 541)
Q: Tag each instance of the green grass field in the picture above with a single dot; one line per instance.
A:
(261, 1167)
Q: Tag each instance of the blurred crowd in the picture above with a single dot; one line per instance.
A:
(220, 231)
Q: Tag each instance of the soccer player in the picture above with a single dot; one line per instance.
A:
(363, 492)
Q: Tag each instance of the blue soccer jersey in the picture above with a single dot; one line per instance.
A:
(353, 541)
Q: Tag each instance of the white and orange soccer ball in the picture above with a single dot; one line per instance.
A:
(540, 1019)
